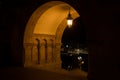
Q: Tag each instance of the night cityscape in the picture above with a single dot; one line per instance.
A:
(74, 46)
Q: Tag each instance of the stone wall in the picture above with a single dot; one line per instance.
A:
(43, 50)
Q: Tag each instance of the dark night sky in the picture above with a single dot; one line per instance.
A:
(76, 33)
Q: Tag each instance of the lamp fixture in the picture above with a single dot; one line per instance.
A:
(69, 19)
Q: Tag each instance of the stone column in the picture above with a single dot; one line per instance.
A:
(28, 54)
(35, 54)
(38, 50)
(53, 52)
(57, 52)
(42, 53)
(39, 54)
(49, 53)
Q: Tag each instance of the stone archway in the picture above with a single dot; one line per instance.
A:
(43, 33)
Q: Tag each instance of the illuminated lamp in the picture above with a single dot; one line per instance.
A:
(69, 19)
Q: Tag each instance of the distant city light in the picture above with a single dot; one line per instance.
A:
(82, 62)
(79, 58)
(67, 46)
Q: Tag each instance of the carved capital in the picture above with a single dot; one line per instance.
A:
(28, 45)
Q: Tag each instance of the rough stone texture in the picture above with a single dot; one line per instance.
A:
(43, 51)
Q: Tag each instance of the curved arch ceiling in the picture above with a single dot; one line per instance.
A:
(51, 18)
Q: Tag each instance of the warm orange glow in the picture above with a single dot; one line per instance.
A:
(49, 20)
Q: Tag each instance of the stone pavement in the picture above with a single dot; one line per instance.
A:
(40, 73)
(57, 69)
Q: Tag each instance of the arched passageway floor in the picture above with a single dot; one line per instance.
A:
(76, 73)
(20, 73)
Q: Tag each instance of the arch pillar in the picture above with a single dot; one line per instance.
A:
(28, 54)
(35, 54)
(42, 51)
(49, 52)
(57, 53)
(53, 51)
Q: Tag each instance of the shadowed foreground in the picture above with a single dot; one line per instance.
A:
(17, 73)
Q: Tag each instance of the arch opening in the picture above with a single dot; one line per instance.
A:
(74, 50)
(47, 24)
